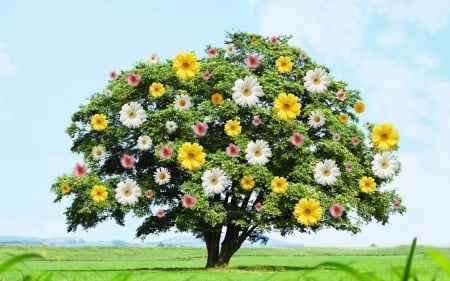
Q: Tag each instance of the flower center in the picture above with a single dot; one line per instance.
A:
(307, 211)
(384, 165)
(182, 102)
(384, 136)
(214, 181)
(286, 106)
(246, 92)
(162, 176)
(326, 172)
(127, 193)
(131, 114)
(316, 81)
(185, 65)
(316, 118)
(191, 155)
(257, 152)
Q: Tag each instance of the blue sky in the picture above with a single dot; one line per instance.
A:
(56, 54)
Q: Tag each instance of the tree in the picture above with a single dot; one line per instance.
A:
(253, 138)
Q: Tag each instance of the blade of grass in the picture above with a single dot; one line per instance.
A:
(16, 259)
(440, 259)
(409, 261)
(348, 269)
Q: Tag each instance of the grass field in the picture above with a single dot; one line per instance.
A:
(187, 263)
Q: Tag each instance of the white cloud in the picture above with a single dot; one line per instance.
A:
(390, 39)
(7, 68)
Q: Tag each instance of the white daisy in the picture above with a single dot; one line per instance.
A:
(247, 92)
(336, 137)
(144, 142)
(182, 102)
(161, 176)
(107, 93)
(316, 81)
(316, 119)
(326, 172)
(98, 152)
(258, 152)
(132, 115)
(214, 181)
(384, 165)
(153, 58)
(128, 192)
(230, 49)
(171, 126)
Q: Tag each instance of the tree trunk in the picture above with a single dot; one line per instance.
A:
(212, 240)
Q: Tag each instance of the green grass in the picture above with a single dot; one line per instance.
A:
(187, 263)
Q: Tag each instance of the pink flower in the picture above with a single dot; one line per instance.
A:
(206, 75)
(256, 121)
(340, 95)
(133, 79)
(273, 40)
(188, 201)
(80, 170)
(149, 193)
(396, 205)
(232, 150)
(355, 141)
(258, 206)
(160, 213)
(200, 128)
(165, 152)
(252, 60)
(212, 52)
(297, 139)
(127, 161)
(112, 75)
(336, 210)
(349, 167)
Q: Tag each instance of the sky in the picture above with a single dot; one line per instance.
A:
(55, 54)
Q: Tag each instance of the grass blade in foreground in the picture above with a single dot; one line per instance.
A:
(16, 259)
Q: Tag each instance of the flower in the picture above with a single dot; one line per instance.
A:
(171, 127)
(336, 137)
(367, 184)
(286, 106)
(191, 156)
(165, 152)
(384, 165)
(200, 128)
(367, 124)
(247, 182)
(148, 193)
(247, 92)
(99, 193)
(326, 172)
(127, 192)
(182, 102)
(307, 212)
(212, 52)
(283, 64)
(396, 205)
(99, 122)
(206, 75)
(214, 181)
(216, 99)
(144, 142)
(279, 185)
(161, 176)
(80, 170)
(316, 119)
(256, 121)
(232, 128)
(359, 107)
(273, 40)
(336, 210)
(252, 60)
(188, 201)
(185, 65)
(303, 56)
(340, 95)
(127, 161)
(98, 152)
(156, 90)
(258, 206)
(258, 152)
(112, 75)
(107, 93)
(297, 139)
(232, 150)
(355, 141)
(316, 81)
(133, 79)
(153, 58)
(349, 167)
(343, 118)
(64, 188)
(384, 136)
(160, 213)
(132, 115)
(230, 49)
(254, 40)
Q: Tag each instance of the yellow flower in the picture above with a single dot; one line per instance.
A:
(384, 136)
(185, 65)
(191, 156)
(286, 106)
(232, 128)
(367, 184)
(216, 99)
(99, 193)
(254, 40)
(247, 182)
(156, 90)
(343, 117)
(283, 64)
(99, 122)
(359, 107)
(307, 212)
(64, 188)
(279, 184)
